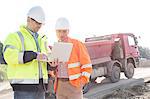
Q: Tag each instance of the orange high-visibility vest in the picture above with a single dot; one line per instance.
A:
(79, 64)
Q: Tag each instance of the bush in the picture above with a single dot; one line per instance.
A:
(3, 75)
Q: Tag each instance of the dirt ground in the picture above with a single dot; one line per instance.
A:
(136, 92)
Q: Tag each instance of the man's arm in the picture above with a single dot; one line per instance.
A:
(13, 55)
(11, 49)
(86, 66)
(29, 56)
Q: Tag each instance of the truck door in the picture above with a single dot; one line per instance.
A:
(133, 48)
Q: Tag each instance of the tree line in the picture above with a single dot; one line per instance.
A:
(144, 52)
(1, 48)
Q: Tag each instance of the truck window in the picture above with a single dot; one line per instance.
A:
(131, 40)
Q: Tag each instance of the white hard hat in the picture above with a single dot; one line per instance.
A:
(62, 23)
(37, 14)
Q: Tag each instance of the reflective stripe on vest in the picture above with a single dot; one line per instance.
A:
(22, 40)
(20, 57)
(75, 76)
(86, 74)
(9, 46)
(26, 81)
(86, 66)
(73, 65)
(77, 64)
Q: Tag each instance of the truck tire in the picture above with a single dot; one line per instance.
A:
(129, 72)
(115, 74)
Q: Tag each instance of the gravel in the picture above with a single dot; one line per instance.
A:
(136, 92)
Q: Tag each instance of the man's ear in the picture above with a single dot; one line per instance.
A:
(28, 19)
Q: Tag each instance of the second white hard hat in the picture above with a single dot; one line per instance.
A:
(62, 23)
(37, 14)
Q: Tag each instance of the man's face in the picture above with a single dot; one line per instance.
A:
(62, 35)
(34, 25)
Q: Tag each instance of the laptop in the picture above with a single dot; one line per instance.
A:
(60, 51)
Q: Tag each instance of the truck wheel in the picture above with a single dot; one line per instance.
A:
(115, 74)
(129, 72)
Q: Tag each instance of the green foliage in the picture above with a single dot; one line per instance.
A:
(3, 74)
(144, 52)
(1, 48)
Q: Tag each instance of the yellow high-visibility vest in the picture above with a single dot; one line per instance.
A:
(17, 71)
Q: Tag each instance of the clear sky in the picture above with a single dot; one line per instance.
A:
(87, 17)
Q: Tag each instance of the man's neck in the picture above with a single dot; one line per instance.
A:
(64, 40)
(30, 30)
(32, 33)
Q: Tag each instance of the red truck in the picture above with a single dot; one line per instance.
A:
(113, 54)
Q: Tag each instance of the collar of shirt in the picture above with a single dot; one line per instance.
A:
(35, 35)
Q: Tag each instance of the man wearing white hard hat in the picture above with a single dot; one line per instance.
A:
(74, 74)
(24, 52)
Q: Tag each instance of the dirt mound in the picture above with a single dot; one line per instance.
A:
(136, 92)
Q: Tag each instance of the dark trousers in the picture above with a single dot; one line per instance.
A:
(29, 95)
(29, 91)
